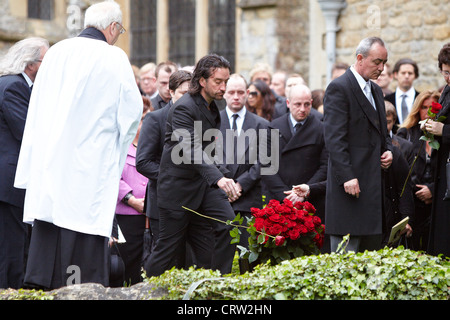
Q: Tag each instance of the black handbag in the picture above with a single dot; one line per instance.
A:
(447, 171)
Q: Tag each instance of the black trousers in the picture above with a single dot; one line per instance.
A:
(133, 227)
(208, 239)
(59, 257)
(14, 242)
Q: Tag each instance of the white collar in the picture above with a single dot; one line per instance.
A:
(410, 93)
(27, 78)
(241, 112)
(362, 83)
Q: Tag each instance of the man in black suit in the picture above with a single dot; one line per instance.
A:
(151, 144)
(15, 92)
(405, 72)
(302, 153)
(162, 73)
(281, 107)
(189, 177)
(359, 151)
(242, 162)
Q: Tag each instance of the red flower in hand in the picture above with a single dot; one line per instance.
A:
(435, 107)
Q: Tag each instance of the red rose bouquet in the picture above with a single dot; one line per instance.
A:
(278, 232)
(283, 231)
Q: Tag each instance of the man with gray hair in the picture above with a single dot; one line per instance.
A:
(84, 113)
(359, 150)
(18, 70)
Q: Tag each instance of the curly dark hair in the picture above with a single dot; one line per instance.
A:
(444, 56)
(268, 108)
(205, 68)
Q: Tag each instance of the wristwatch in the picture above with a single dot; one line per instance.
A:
(127, 197)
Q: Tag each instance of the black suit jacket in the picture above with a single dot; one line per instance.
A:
(248, 174)
(303, 159)
(356, 136)
(391, 98)
(148, 154)
(186, 169)
(14, 99)
(158, 102)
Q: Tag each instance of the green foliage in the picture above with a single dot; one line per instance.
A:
(387, 274)
(23, 294)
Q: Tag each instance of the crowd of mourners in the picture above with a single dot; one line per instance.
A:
(83, 135)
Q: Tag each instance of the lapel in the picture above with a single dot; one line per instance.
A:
(285, 129)
(363, 102)
(445, 96)
(303, 136)
(210, 115)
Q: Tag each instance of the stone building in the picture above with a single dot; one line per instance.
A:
(302, 36)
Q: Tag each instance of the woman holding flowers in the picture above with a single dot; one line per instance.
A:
(440, 128)
(422, 177)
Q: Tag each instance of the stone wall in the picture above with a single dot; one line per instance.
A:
(274, 32)
(416, 29)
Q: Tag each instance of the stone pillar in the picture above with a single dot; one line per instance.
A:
(331, 10)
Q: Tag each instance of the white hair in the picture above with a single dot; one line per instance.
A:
(102, 14)
(21, 54)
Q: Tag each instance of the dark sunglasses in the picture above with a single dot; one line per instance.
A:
(253, 93)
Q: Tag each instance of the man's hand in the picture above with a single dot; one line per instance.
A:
(386, 159)
(424, 193)
(434, 127)
(352, 187)
(230, 188)
(293, 197)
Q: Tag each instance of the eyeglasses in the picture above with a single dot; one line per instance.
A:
(253, 93)
(445, 73)
(122, 29)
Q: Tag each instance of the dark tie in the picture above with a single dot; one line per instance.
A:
(297, 126)
(404, 107)
(235, 116)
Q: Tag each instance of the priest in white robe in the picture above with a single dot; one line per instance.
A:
(83, 115)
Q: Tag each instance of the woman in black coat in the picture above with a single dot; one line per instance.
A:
(421, 177)
(440, 213)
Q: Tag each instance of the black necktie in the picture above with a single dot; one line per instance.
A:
(297, 126)
(235, 116)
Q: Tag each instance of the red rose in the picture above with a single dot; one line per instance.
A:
(309, 207)
(288, 203)
(302, 229)
(279, 240)
(273, 203)
(278, 218)
(259, 223)
(309, 224)
(435, 107)
(274, 229)
(294, 234)
(317, 221)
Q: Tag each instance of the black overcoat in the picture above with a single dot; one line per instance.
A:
(356, 136)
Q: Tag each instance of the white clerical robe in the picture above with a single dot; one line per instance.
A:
(83, 115)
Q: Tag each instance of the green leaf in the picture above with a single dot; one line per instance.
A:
(441, 118)
(425, 138)
(434, 144)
